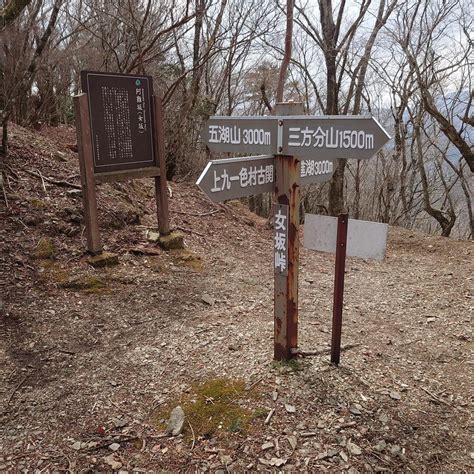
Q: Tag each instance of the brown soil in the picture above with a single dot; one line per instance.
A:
(84, 367)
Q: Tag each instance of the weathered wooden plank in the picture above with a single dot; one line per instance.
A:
(86, 165)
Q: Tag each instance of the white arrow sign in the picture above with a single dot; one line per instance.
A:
(233, 178)
(317, 137)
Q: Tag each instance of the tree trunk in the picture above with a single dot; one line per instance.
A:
(446, 224)
(290, 5)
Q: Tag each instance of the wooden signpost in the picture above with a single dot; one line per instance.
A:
(120, 136)
(297, 150)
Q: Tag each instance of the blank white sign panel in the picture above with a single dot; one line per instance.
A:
(364, 239)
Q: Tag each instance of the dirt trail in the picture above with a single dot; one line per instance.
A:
(82, 370)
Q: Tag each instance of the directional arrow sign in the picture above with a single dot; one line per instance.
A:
(332, 137)
(318, 137)
(233, 178)
(241, 134)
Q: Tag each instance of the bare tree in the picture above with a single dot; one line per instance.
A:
(433, 21)
(345, 74)
(21, 58)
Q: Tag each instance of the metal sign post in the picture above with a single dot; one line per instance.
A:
(340, 266)
(344, 237)
(296, 150)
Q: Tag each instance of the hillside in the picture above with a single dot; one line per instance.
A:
(93, 361)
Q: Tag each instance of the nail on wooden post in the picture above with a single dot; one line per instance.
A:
(86, 165)
(161, 188)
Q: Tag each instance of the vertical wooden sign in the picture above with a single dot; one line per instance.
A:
(287, 200)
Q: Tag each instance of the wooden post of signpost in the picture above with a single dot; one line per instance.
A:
(287, 193)
(161, 187)
(86, 165)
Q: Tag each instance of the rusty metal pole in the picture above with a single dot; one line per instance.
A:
(86, 166)
(340, 266)
(287, 198)
(161, 187)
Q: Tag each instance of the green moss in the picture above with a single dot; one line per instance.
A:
(44, 250)
(104, 259)
(214, 407)
(292, 364)
(84, 282)
(38, 203)
(173, 241)
(189, 259)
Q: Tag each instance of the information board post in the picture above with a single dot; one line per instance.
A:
(287, 198)
(86, 164)
(161, 187)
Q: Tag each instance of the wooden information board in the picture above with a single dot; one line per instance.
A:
(120, 135)
(121, 120)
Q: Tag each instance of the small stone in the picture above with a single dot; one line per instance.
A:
(293, 441)
(380, 446)
(77, 446)
(394, 395)
(290, 408)
(205, 298)
(266, 446)
(172, 241)
(119, 422)
(112, 462)
(153, 236)
(175, 422)
(355, 409)
(395, 449)
(354, 449)
(226, 459)
(104, 259)
(384, 418)
(277, 462)
(344, 456)
(59, 155)
(114, 446)
(430, 320)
